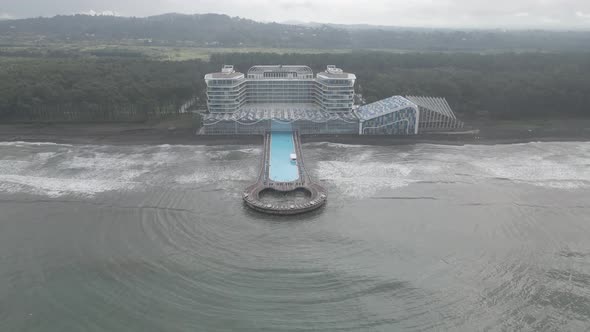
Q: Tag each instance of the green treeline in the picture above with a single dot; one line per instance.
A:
(122, 88)
(501, 85)
(114, 89)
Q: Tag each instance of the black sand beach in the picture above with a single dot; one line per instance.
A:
(479, 132)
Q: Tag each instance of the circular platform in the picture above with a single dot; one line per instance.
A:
(317, 198)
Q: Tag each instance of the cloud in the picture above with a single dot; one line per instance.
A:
(429, 13)
(296, 4)
(550, 20)
(6, 16)
(100, 13)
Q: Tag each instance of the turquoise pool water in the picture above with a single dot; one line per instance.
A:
(282, 169)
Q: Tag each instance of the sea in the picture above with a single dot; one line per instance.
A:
(417, 237)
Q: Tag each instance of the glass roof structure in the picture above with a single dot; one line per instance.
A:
(382, 107)
(439, 105)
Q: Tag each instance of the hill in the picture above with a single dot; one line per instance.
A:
(213, 30)
(198, 30)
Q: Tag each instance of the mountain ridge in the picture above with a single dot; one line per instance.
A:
(212, 30)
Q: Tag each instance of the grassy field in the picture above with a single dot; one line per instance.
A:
(133, 48)
(181, 51)
(194, 53)
(163, 53)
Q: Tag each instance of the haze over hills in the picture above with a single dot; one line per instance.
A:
(214, 30)
(368, 26)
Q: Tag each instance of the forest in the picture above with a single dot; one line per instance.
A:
(499, 85)
(34, 86)
(502, 86)
(106, 68)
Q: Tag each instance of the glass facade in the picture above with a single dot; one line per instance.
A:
(332, 90)
(322, 104)
(436, 114)
(401, 122)
(305, 127)
(257, 120)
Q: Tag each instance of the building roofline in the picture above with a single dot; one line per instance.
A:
(408, 104)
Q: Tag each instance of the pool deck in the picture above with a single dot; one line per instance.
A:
(251, 196)
(282, 168)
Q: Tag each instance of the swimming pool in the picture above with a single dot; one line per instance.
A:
(282, 169)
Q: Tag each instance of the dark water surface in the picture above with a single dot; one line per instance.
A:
(419, 238)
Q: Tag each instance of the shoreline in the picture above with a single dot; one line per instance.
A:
(142, 134)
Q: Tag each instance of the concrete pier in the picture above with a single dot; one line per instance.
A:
(317, 194)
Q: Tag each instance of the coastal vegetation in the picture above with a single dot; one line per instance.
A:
(84, 89)
(89, 69)
(529, 85)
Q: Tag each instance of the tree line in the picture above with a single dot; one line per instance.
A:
(524, 85)
(530, 85)
(86, 89)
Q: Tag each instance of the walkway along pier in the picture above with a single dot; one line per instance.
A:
(269, 179)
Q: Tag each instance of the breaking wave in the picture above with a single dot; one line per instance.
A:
(351, 170)
(362, 171)
(86, 170)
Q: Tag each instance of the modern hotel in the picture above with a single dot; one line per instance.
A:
(268, 97)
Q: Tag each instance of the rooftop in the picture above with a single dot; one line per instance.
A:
(223, 75)
(280, 72)
(295, 71)
(381, 107)
(228, 69)
(227, 72)
(439, 105)
(334, 72)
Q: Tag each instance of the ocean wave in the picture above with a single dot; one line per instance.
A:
(22, 143)
(56, 187)
(335, 145)
(364, 179)
(218, 174)
(556, 165)
(359, 171)
(540, 169)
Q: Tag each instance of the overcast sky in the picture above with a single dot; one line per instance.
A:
(548, 14)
